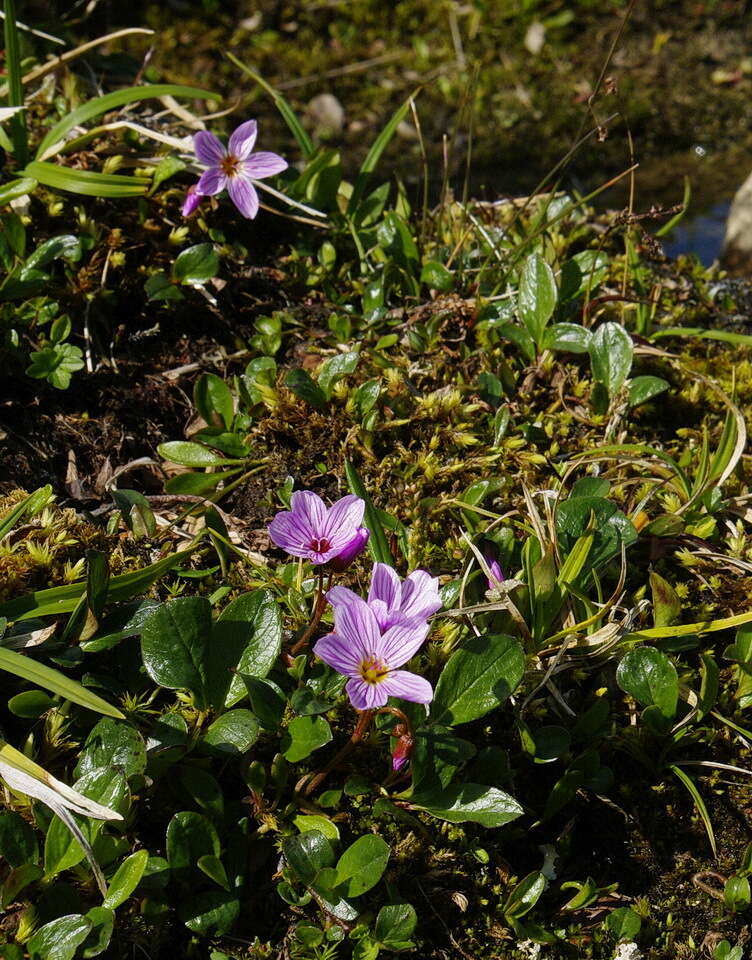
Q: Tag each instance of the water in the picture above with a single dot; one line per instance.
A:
(700, 233)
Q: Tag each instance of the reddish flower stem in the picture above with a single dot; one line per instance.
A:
(318, 611)
(361, 729)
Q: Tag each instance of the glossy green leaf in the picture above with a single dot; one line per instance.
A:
(378, 546)
(567, 337)
(536, 300)
(525, 895)
(335, 369)
(189, 454)
(623, 923)
(213, 400)
(210, 914)
(175, 643)
(478, 677)
(252, 621)
(86, 183)
(361, 866)
(642, 389)
(112, 745)
(189, 836)
(18, 842)
(102, 921)
(307, 854)
(374, 155)
(650, 677)
(196, 265)
(233, 733)
(470, 802)
(304, 735)
(395, 924)
(59, 939)
(611, 353)
(303, 386)
(126, 879)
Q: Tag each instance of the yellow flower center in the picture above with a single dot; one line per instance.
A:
(373, 671)
(229, 165)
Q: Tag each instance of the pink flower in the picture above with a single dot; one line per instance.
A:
(191, 202)
(370, 658)
(392, 602)
(353, 549)
(318, 534)
(235, 167)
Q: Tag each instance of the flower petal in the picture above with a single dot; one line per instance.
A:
(242, 139)
(353, 548)
(355, 622)
(191, 202)
(366, 696)
(385, 585)
(420, 596)
(407, 686)
(343, 520)
(263, 164)
(212, 181)
(401, 642)
(209, 149)
(341, 596)
(338, 653)
(310, 509)
(243, 195)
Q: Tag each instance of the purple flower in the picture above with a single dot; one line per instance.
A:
(191, 202)
(353, 549)
(494, 568)
(235, 167)
(360, 650)
(392, 602)
(318, 534)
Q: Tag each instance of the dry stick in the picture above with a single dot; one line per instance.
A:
(361, 728)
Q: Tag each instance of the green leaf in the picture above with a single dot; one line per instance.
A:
(378, 545)
(30, 704)
(17, 880)
(307, 822)
(57, 600)
(49, 679)
(98, 106)
(536, 300)
(436, 276)
(189, 836)
(395, 924)
(126, 879)
(20, 187)
(303, 736)
(307, 854)
(373, 156)
(623, 923)
(580, 515)
(470, 802)
(736, 893)
(159, 287)
(214, 869)
(233, 733)
(478, 677)
(335, 369)
(567, 337)
(196, 265)
(28, 507)
(87, 183)
(361, 866)
(437, 755)
(193, 455)
(175, 646)
(59, 939)
(102, 924)
(525, 895)
(210, 914)
(213, 400)
(136, 512)
(267, 700)
(288, 114)
(112, 745)
(699, 804)
(303, 386)
(611, 353)
(18, 842)
(666, 603)
(642, 389)
(650, 677)
(255, 621)
(14, 71)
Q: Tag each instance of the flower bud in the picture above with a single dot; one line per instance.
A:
(353, 549)
(191, 202)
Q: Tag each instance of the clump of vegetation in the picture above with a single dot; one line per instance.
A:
(397, 595)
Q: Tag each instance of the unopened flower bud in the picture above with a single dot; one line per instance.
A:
(353, 549)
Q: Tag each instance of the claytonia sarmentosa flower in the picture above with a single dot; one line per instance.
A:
(232, 168)
(320, 534)
(391, 601)
(370, 656)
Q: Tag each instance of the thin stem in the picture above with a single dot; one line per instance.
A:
(318, 611)
(361, 729)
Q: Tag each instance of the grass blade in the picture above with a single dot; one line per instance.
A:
(288, 114)
(88, 183)
(29, 506)
(699, 804)
(111, 101)
(378, 546)
(374, 154)
(17, 122)
(44, 676)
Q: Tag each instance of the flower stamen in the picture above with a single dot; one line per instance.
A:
(373, 670)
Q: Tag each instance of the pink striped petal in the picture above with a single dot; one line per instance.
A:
(263, 164)
(212, 181)
(366, 696)
(420, 596)
(243, 195)
(209, 149)
(343, 520)
(356, 624)
(401, 642)
(339, 654)
(242, 139)
(407, 686)
(385, 585)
